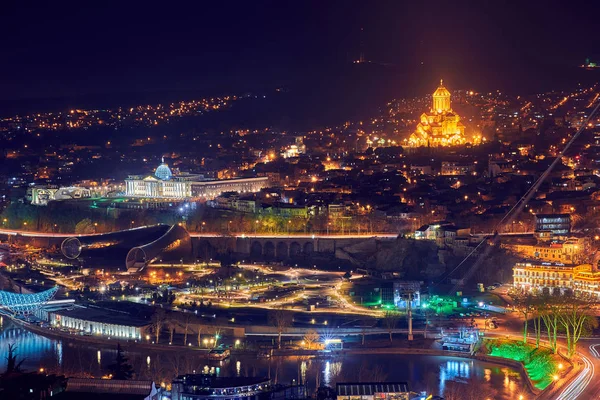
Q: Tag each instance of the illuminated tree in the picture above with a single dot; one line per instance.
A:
(281, 320)
(311, 337)
(158, 321)
(549, 309)
(575, 318)
(199, 330)
(525, 304)
(390, 320)
(186, 319)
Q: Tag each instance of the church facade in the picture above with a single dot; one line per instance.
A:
(441, 126)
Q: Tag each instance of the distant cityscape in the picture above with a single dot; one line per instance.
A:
(305, 202)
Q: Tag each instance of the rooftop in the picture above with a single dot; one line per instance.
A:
(369, 389)
(103, 315)
(221, 382)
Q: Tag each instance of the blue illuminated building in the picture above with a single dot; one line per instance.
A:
(26, 304)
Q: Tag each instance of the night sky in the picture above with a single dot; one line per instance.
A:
(58, 50)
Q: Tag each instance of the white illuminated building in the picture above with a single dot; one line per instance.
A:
(166, 185)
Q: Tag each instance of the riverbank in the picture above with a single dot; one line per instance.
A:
(133, 346)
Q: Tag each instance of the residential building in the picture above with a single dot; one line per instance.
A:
(456, 168)
(570, 251)
(558, 224)
(441, 231)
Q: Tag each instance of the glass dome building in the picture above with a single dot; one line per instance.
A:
(163, 172)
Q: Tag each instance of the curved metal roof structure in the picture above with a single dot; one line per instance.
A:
(26, 303)
(174, 244)
(73, 247)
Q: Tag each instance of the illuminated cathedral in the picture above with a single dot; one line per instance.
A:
(441, 126)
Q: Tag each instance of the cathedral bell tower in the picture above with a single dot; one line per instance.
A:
(441, 99)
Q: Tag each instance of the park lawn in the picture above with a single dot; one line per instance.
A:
(540, 364)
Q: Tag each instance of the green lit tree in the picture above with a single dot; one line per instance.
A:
(575, 318)
(549, 310)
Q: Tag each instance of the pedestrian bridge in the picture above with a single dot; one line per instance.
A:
(26, 304)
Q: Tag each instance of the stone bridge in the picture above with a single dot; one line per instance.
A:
(286, 247)
(209, 245)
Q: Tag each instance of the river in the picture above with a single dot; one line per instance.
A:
(423, 372)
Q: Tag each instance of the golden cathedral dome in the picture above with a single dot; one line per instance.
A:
(441, 91)
(441, 126)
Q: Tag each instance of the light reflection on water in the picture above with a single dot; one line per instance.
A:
(422, 372)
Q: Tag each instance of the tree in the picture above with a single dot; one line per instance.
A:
(158, 321)
(85, 226)
(281, 320)
(524, 302)
(363, 332)
(575, 318)
(121, 369)
(187, 320)
(12, 365)
(199, 330)
(390, 320)
(549, 309)
(310, 338)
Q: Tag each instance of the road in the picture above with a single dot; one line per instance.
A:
(586, 385)
(15, 232)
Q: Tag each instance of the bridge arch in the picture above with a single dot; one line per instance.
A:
(282, 251)
(295, 249)
(256, 249)
(309, 248)
(269, 250)
(206, 250)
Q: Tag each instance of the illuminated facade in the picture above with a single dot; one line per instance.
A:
(441, 126)
(573, 250)
(164, 184)
(100, 322)
(582, 278)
